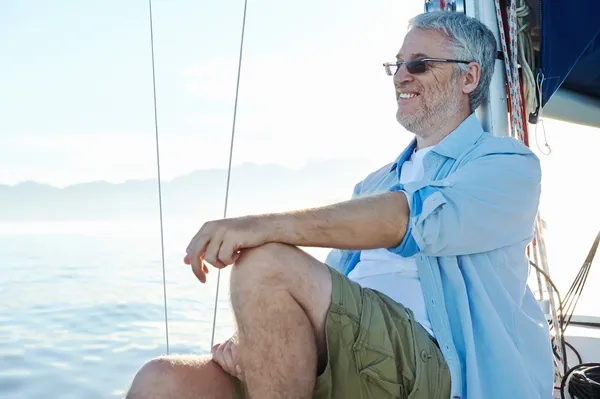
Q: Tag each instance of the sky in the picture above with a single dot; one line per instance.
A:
(76, 99)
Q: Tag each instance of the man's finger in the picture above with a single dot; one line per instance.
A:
(213, 350)
(226, 252)
(212, 252)
(198, 244)
(236, 362)
(218, 355)
(229, 360)
(196, 236)
(223, 358)
(202, 237)
(197, 269)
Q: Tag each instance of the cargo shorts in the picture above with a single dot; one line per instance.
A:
(376, 350)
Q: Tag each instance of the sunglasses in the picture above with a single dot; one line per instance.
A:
(416, 67)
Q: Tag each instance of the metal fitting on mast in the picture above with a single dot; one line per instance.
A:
(445, 5)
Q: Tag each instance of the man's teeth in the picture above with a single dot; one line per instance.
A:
(407, 95)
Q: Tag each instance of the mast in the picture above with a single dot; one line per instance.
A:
(493, 113)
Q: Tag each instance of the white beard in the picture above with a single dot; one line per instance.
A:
(438, 106)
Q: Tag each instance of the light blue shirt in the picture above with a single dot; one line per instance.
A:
(471, 219)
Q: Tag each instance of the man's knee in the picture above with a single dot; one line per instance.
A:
(157, 375)
(263, 265)
(272, 268)
(275, 265)
(266, 254)
(180, 377)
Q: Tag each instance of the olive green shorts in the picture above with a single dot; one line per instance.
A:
(375, 350)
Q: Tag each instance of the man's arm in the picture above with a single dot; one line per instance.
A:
(488, 203)
(378, 221)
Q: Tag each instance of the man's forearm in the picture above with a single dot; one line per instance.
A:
(378, 221)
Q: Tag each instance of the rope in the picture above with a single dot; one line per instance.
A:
(539, 85)
(540, 258)
(526, 56)
(584, 382)
(511, 66)
(237, 91)
(162, 235)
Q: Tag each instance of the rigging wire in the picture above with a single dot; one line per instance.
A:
(160, 207)
(585, 380)
(576, 289)
(235, 106)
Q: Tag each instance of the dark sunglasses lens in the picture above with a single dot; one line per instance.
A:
(416, 66)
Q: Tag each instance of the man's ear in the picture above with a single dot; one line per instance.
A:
(471, 78)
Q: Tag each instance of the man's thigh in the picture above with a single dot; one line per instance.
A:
(375, 350)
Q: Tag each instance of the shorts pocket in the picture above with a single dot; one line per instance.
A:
(429, 381)
(379, 351)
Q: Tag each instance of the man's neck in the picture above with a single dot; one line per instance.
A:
(436, 134)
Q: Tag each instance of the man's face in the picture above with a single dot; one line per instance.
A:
(426, 99)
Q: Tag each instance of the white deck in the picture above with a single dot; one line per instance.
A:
(585, 339)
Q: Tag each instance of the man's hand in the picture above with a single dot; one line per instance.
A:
(220, 242)
(224, 355)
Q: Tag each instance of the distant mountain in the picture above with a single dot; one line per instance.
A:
(253, 189)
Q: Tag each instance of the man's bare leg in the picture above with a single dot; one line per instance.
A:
(280, 296)
(181, 377)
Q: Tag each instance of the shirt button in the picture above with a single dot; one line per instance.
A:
(425, 355)
(433, 301)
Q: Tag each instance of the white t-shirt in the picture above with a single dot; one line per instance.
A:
(391, 274)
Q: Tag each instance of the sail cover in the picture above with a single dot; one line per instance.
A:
(570, 47)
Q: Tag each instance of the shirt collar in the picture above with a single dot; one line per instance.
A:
(465, 135)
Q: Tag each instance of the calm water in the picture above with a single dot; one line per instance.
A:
(81, 305)
(79, 313)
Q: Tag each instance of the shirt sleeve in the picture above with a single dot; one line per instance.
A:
(488, 203)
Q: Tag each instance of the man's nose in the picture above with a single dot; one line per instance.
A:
(402, 75)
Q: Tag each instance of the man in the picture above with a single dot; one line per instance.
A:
(424, 294)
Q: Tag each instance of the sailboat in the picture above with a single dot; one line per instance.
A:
(548, 63)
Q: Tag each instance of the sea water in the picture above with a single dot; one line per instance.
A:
(82, 307)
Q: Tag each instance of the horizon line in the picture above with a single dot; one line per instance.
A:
(167, 180)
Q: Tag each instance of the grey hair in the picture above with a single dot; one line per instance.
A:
(470, 40)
